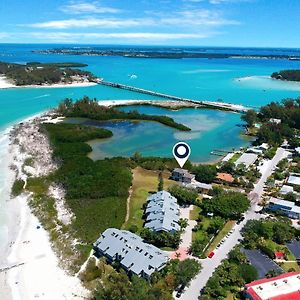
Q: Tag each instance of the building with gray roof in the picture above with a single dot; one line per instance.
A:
(294, 179)
(162, 212)
(288, 208)
(182, 175)
(134, 255)
(247, 159)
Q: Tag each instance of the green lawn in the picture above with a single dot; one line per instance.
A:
(144, 182)
(194, 213)
(201, 234)
(235, 157)
(227, 227)
(290, 265)
(276, 247)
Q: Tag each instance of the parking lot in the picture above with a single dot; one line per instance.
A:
(294, 247)
(262, 263)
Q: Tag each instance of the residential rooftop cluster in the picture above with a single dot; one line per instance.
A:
(134, 255)
(162, 212)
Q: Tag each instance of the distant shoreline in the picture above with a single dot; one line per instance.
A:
(7, 84)
(163, 54)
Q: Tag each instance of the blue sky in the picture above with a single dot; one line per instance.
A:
(258, 23)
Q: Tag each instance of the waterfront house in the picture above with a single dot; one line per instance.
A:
(247, 159)
(258, 149)
(182, 175)
(134, 255)
(287, 208)
(162, 212)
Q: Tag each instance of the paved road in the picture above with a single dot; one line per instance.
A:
(187, 235)
(209, 265)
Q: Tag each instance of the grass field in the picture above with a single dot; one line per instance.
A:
(290, 265)
(194, 213)
(227, 227)
(276, 247)
(144, 182)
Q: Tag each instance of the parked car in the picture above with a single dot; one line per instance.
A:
(240, 220)
(180, 290)
(211, 254)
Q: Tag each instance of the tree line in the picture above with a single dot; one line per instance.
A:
(37, 74)
(90, 108)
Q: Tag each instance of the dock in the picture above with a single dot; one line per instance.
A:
(204, 103)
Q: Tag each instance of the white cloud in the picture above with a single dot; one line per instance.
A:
(198, 17)
(185, 18)
(93, 22)
(87, 7)
(66, 36)
(227, 1)
(4, 35)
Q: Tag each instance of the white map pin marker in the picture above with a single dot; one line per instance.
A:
(181, 152)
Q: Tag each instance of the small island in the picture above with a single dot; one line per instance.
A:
(44, 74)
(287, 75)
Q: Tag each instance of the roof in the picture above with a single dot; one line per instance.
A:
(162, 212)
(199, 185)
(285, 287)
(183, 173)
(286, 189)
(133, 253)
(225, 177)
(286, 205)
(247, 159)
(294, 247)
(279, 254)
(228, 156)
(254, 150)
(294, 179)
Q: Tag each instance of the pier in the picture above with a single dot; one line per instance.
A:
(208, 104)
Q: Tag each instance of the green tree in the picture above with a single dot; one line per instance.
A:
(205, 173)
(248, 272)
(183, 195)
(250, 117)
(229, 205)
(160, 182)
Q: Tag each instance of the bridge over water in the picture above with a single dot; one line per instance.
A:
(209, 104)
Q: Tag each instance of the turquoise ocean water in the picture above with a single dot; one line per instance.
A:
(241, 81)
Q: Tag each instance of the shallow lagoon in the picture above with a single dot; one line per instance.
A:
(211, 129)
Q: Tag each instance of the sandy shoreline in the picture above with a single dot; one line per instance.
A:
(39, 275)
(160, 103)
(7, 84)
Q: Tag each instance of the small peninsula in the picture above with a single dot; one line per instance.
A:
(287, 75)
(44, 74)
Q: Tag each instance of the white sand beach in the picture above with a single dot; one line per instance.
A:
(7, 84)
(32, 268)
